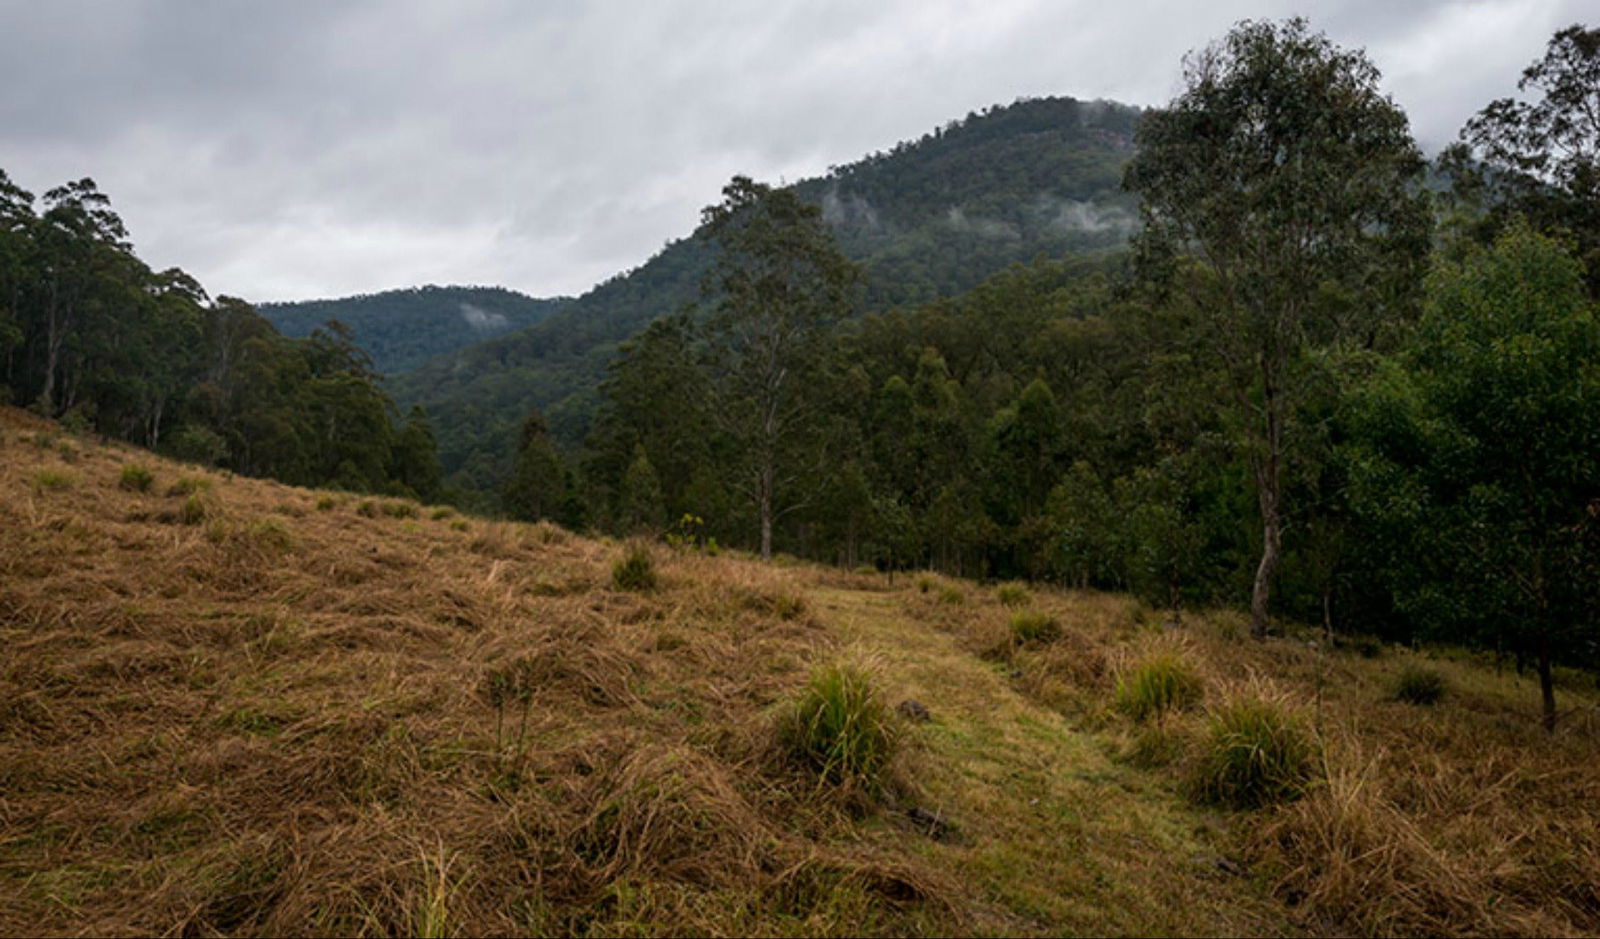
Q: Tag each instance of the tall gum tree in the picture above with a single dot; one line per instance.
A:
(779, 284)
(1289, 187)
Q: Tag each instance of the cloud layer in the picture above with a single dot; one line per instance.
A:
(288, 151)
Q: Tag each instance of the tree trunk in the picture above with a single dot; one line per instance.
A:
(766, 513)
(1268, 491)
(1327, 614)
(1547, 688)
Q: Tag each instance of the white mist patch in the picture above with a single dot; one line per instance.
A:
(483, 321)
(852, 210)
(1070, 215)
(982, 227)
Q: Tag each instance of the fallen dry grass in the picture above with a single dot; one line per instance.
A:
(232, 707)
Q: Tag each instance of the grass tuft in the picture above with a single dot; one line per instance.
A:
(636, 569)
(1012, 595)
(1258, 751)
(135, 478)
(193, 511)
(841, 728)
(1161, 683)
(1032, 627)
(49, 479)
(1419, 684)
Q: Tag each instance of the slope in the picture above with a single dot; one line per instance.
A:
(233, 707)
(402, 329)
(927, 219)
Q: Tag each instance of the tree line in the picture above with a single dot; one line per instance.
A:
(90, 335)
(1314, 385)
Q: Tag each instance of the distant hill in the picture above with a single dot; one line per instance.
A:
(401, 329)
(928, 219)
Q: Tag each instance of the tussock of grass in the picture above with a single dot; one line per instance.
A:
(636, 569)
(193, 511)
(1012, 594)
(1419, 684)
(1158, 684)
(136, 478)
(1257, 751)
(46, 480)
(1031, 627)
(840, 727)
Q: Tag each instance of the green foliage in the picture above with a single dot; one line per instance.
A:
(326, 503)
(396, 508)
(1012, 594)
(1419, 684)
(188, 485)
(1480, 437)
(367, 508)
(1314, 245)
(135, 478)
(1256, 752)
(1030, 627)
(841, 729)
(951, 595)
(636, 569)
(1161, 683)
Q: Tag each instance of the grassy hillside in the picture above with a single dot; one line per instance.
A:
(929, 218)
(401, 329)
(233, 707)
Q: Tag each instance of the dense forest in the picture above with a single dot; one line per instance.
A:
(927, 219)
(402, 329)
(91, 335)
(1314, 383)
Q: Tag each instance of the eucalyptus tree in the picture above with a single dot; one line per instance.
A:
(780, 282)
(1282, 185)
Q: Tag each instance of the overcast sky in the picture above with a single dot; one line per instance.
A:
(289, 150)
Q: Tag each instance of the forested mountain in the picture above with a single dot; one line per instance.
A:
(401, 329)
(926, 219)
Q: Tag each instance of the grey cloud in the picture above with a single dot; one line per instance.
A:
(312, 149)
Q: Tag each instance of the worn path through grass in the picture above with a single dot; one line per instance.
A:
(1055, 833)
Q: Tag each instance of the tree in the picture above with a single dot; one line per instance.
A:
(414, 457)
(538, 484)
(779, 283)
(641, 508)
(1477, 456)
(1541, 158)
(1291, 184)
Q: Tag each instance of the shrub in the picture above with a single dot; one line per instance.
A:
(1161, 683)
(441, 512)
(135, 478)
(952, 595)
(459, 524)
(1257, 752)
(193, 511)
(1031, 626)
(636, 569)
(925, 583)
(1012, 594)
(367, 509)
(1419, 684)
(326, 503)
(841, 729)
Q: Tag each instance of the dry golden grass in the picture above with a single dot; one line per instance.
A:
(285, 718)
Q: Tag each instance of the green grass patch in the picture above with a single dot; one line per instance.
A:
(1033, 627)
(636, 569)
(49, 479)
(1257, 751)
(1161, 683)
(135, 478)
(1012, 595)
(841, 729)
